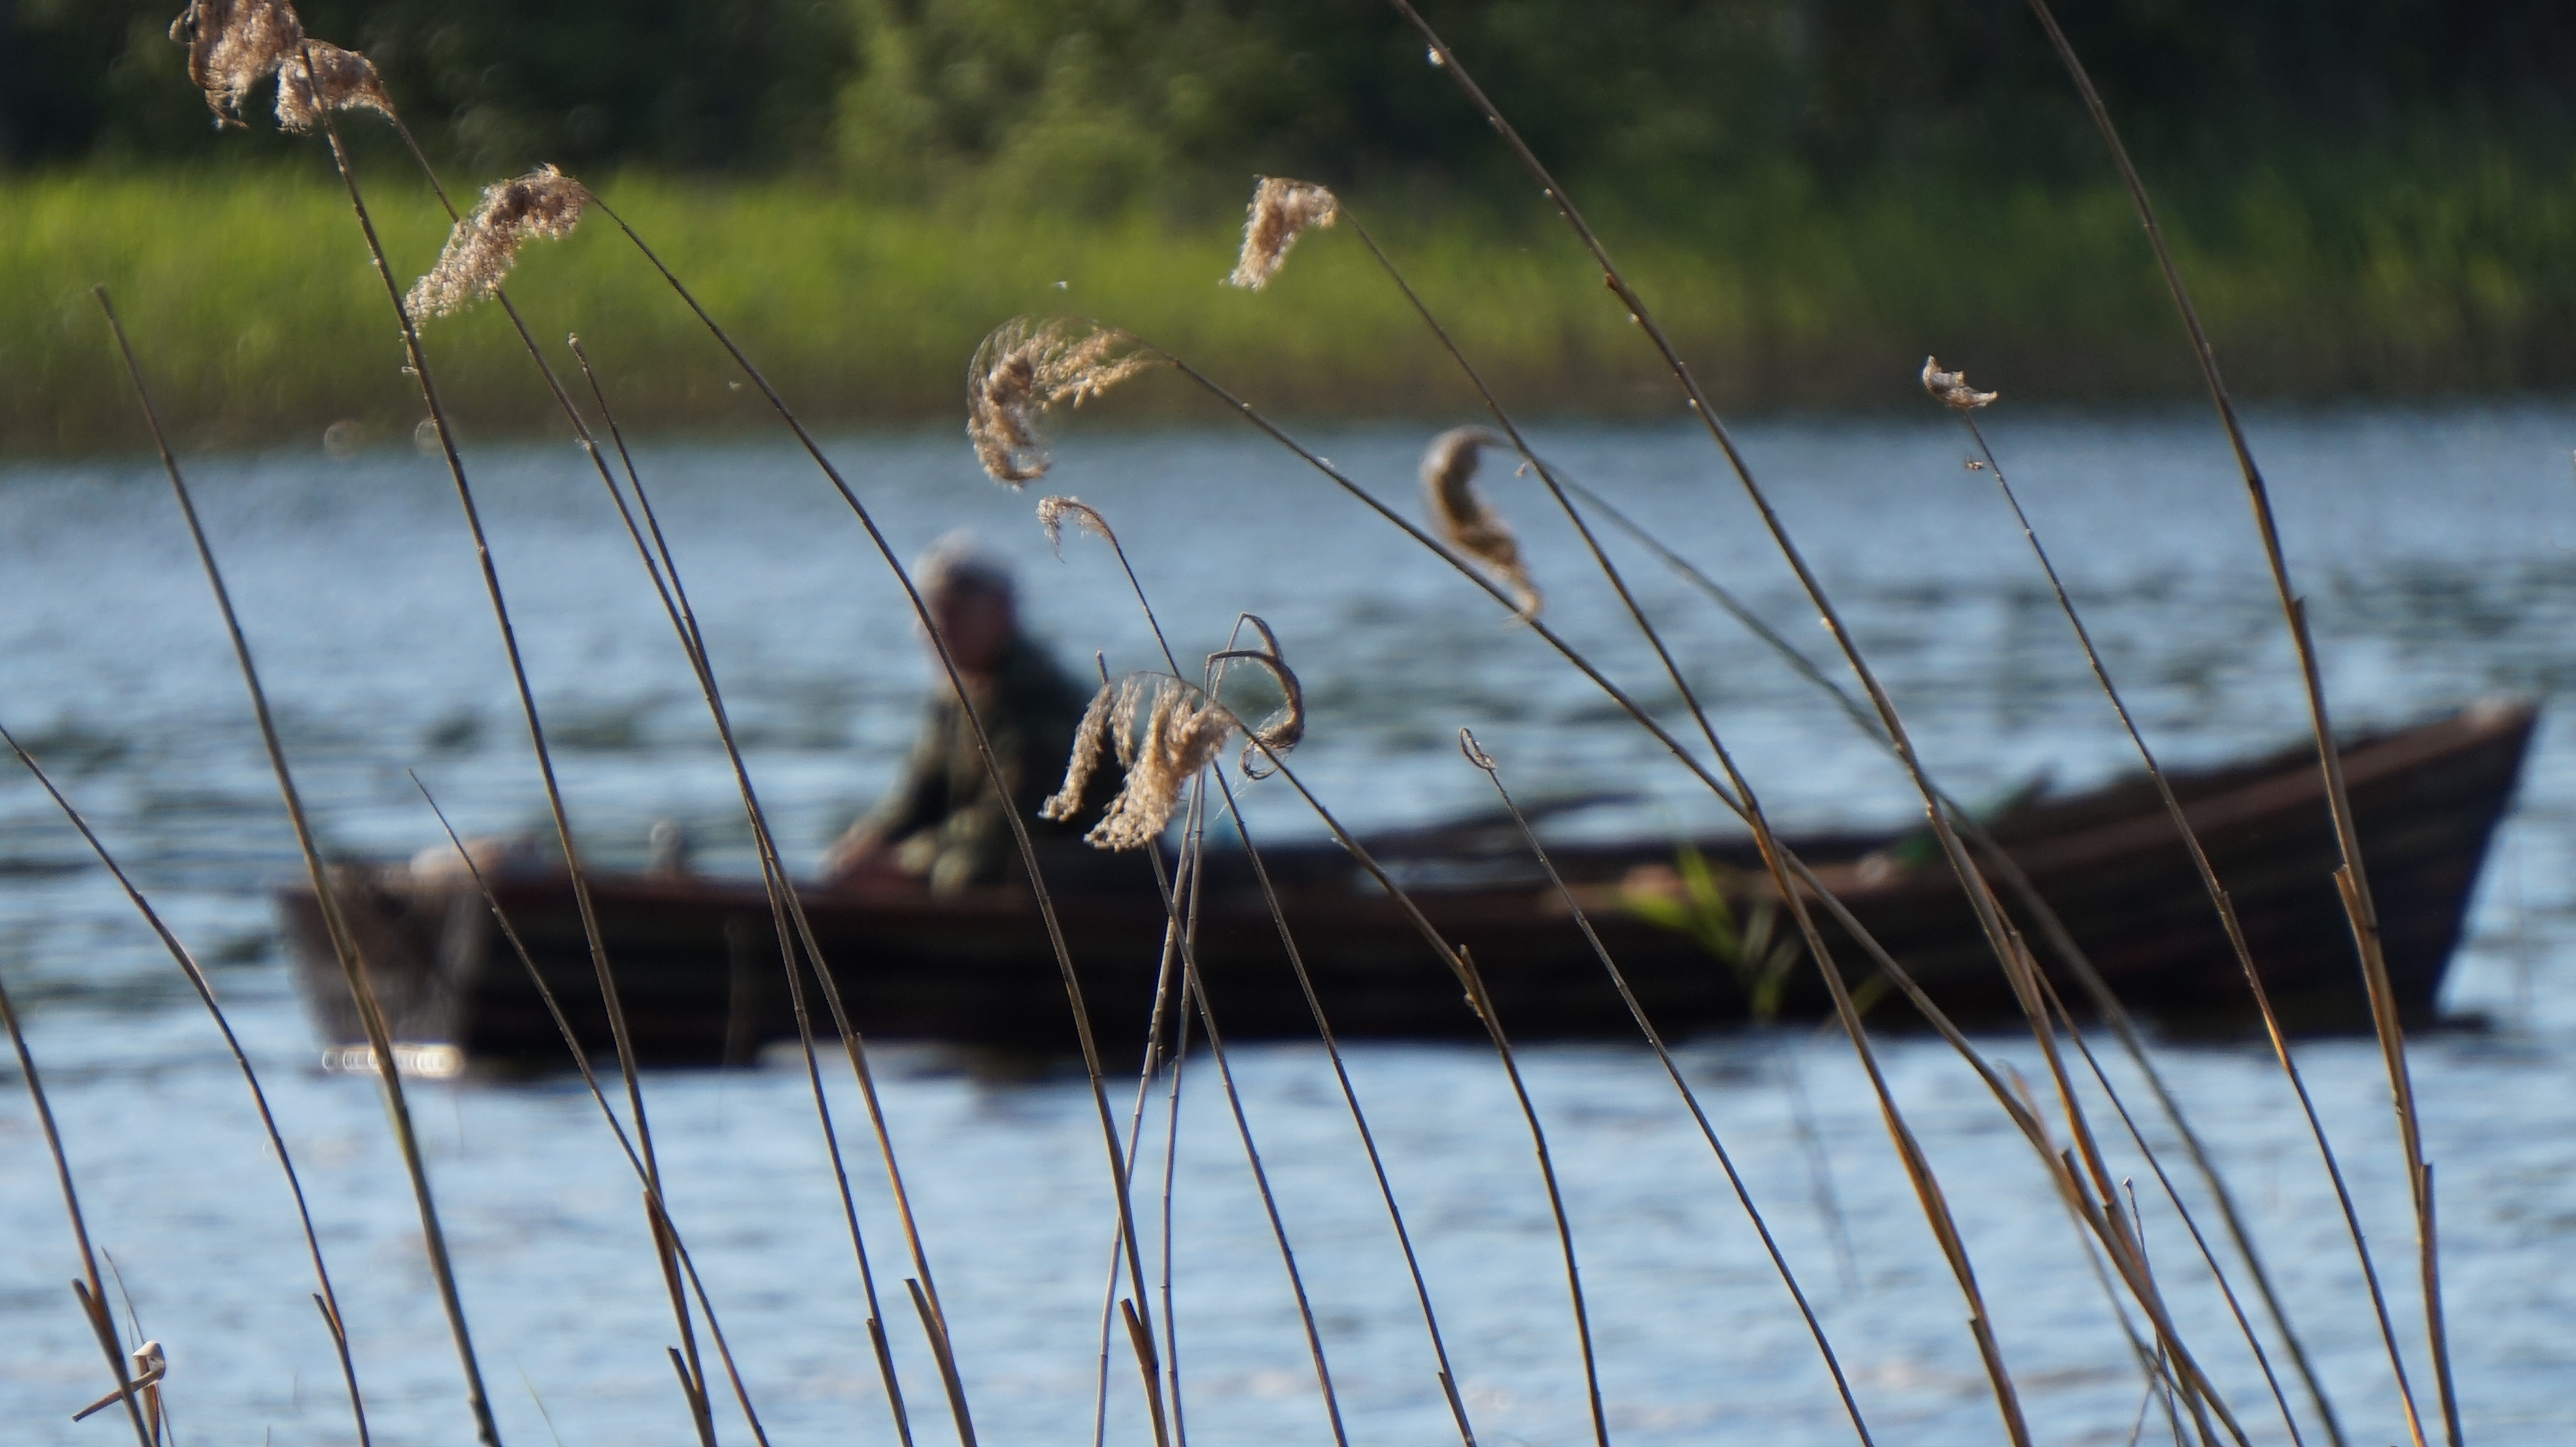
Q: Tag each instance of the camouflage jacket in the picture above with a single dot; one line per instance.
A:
(944, 821)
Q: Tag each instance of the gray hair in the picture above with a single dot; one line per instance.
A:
(958, 564)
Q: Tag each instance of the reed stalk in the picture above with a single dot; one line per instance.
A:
(2353, 879)
(2019, 968)
(335, 924)
(1099, 527)
(983, 743)
(693, 1376)
(786, 913)
(1752, 811)
(1171, 1169)
(1196, 985)
(655, 1211)
(205, 990)
(2051, 926)
(1166, 991)
(89, 1291)
(2173, 1194)
(1917, 1166)
(2226, 911)
(1463, 968)
(1477, 756)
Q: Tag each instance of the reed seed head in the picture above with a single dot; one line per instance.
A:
(1052, 511)
(1088, 740)
(1466, 520)
(1951, 389)
(234, 45)
(1028, 365)
(1182, 735)
(344, 80)
(1281, 211)
(543, 204)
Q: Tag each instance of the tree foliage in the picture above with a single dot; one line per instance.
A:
(1092, 104)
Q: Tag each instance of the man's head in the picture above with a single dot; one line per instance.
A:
(971, 601)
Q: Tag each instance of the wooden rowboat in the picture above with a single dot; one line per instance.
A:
(698, 968)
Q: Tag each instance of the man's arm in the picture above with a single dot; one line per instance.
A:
(919, 800)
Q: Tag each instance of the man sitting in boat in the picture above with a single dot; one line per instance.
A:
(943, 826)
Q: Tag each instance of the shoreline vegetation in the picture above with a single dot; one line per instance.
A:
(2449, 271)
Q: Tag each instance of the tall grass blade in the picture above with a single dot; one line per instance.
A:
(2353, 879)
(335, 924)
(657, 1217)
(948, 666)
(197, 981)
(1744, 1197)
(89, 1292)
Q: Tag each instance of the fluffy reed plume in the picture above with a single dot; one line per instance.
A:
(1052, 511)
(232, 46)
(545, 203)
(1951, 389)
(1182, 732)
(1465, 519)
(1281, 211)
(1025, 367)
(1089, 740)
(1181, 737)
(344, 79)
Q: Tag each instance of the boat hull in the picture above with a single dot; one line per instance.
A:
(700, 977)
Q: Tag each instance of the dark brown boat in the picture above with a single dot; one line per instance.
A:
(698, 967)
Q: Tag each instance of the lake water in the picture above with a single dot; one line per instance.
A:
(2436, 546)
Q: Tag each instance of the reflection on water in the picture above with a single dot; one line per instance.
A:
(2435, 548)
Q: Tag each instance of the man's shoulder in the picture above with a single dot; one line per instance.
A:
(1032, 679)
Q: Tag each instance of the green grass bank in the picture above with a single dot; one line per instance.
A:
(252, 302)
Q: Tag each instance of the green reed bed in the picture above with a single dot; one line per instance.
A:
(2318, 274)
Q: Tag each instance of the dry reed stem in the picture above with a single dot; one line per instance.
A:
(786, 910)
(2009, 954)
(2173, 1194)
(2059, 938)
(1466, 519)
(614, 1006)
(2226, 911)
(232, 46)
(1178, 938)
(774, 877)
(1281, 210)
(89, 1292)
(1477, 756)
(657, 1214)
(2352, 879)
(508, 211)
(1462, 967)
(197, 981)
(1918, 1168)
(335, 924)
(1028, 365)
(1359, 1118)
(1279, 736)
(1741, 800)
(543, 205)
(1197, 987)
(1166, 989)
(1285, 729)
(341, 80)
(1020, 835)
